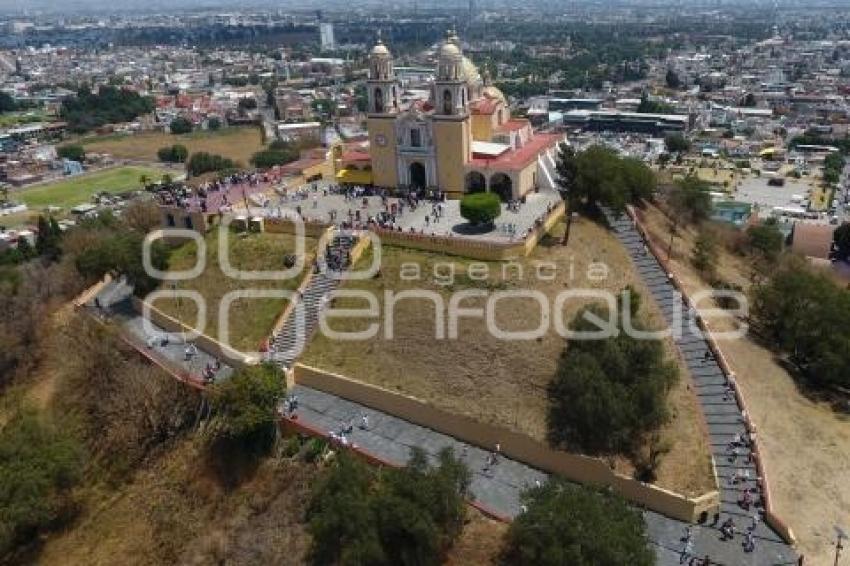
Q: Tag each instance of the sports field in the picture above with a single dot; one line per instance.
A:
(238, 144)
(79, 189)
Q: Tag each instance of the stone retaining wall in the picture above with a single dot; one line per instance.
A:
(515, 445)
(770, 515)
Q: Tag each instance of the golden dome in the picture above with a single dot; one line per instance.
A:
(450, 51)
(380, 50)
(493, 93)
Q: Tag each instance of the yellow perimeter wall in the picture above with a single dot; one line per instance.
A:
(582, 469)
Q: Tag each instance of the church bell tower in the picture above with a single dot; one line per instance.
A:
(451, 117)
(383, 95)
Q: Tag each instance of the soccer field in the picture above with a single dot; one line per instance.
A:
(238, 144)
(79, 189)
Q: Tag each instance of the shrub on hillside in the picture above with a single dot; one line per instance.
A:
(180, 125)
(39, 463)
(568, 524)
(245, 405)
(480, 208)
(407, 516)
(203, 162)
(173, 154)
(807, 315)
(73, 152)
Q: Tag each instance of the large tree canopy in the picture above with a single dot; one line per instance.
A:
(568, 524)
(607, 394)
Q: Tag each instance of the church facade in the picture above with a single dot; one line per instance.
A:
(461, 140)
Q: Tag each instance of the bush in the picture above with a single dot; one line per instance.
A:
(407, 516)
(268, 158)
(181, 125)
(676, 143)
(214, 124)
(72, 152)
(705, 254)
(120, 250)
(480, 208)
(39, 463)
(808, 316)
(176, 153)
(607, 394)
(569, 524)
(245, 404)
(203, 162)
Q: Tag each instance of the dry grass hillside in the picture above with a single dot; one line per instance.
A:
(501, 381)
(805, 443)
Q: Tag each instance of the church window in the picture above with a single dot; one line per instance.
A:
(379, 101)
(447, 101)
(415, 137)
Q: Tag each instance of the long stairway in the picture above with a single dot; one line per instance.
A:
(288, 344)
(720, 408)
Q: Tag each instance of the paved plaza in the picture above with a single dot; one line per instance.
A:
(317, 206)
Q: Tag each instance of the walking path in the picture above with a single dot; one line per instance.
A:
(720, 408)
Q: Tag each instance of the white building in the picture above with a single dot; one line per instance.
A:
(326, 35)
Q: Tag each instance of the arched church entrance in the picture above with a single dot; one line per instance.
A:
(475, 182)
(418, 178)
(503, 186)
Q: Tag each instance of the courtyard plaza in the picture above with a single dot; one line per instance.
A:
(321, 203)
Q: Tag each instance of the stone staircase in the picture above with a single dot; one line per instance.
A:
(720, 408)
(302, 322)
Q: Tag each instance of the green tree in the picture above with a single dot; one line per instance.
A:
(690, 200)
(47, 242)
(245, 405)
(841, 241)
(7, 103)
(480, 209)
(120, 251)
(39, 463)
(568, 524)
(808, 316)
(672, 79)
(566, 168)
(705, 254)
(176, 153)
(214, 124)
(73, 152)
(406, 516)
(109, 105)
(608, 394)
(181, 125)
(764, 241)
(203, 162)
(676, 143)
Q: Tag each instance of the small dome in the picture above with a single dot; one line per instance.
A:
(380, 50)
(493, 93)
(450, 51)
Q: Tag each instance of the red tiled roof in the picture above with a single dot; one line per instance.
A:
(515, 160)
(484, 106)
(513, 125)
(301, 164)
(356, 155)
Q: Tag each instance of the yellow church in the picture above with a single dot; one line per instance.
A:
(462, 140)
